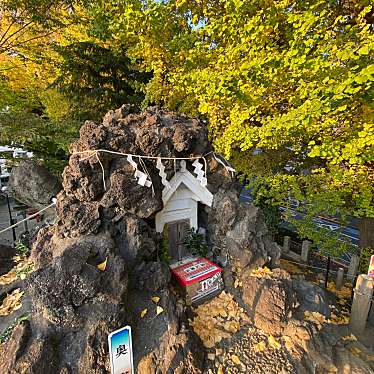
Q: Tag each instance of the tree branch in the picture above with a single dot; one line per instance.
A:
(11, 46)
(16, 32)
(7, 30)
(11, 24)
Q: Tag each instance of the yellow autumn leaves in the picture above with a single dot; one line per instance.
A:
(314, 317)
(218, 319)
(24, 266)
(319, 319)
(102, 266)
(159, 309)
(143, 313)
(336, 318)
(262, 273)
(351, 343)
(235, 359)
(290, 267)
(344, 293)
(272, 343)
(11, 303)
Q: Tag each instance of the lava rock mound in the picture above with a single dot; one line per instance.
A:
(104, 215)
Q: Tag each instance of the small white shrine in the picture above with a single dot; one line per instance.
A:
(181, 199)
(180, 195)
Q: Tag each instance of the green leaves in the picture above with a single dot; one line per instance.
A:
(294, 80)
(59, 75)
(286, 87)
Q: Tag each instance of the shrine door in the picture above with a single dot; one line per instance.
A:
(177, 234)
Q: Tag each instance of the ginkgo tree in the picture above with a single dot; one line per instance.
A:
(54, 75)
(32, 113)
(286, 88)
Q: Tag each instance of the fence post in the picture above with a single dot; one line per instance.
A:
(361, 303)
(286, 244)
(327, 271)
(353, 266)
(305, 246)
(340, 278)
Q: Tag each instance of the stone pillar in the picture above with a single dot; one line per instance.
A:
(305, 250)
(353, 266)
(363, 294)
(286, 244)
(340, 278)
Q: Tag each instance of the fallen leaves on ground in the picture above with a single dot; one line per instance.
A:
(235, 359)
(314, 317)
(273, 343)
(259, 347)
(159, 310)
(102, 266)
(290, 267)
(155, 299)
(262, 273)
(342, 319)
(342, 302)
(349, 338)
(288, 343)
(21, 270)
(8, 278)
(143, 312)
(355, 351)
(237, 270)
(12, 302)
(344, 293)
(218, 319)
(238, 283)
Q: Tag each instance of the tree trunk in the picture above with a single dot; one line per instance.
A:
(366, 229)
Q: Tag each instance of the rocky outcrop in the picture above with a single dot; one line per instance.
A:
(165, 344)
(102, 214)
(152, 276)
(74, 307)
(275, 301)
(310, 298)
(135, 240)
(33, 184)
(239, 229)
(6, 261)
(270, 301)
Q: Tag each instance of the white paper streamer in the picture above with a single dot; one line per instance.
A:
(148, 183)
(162, 173)
(227, 167)
(132, 162)
(142, 177)
(200, 173)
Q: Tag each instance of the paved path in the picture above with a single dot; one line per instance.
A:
(7, 237)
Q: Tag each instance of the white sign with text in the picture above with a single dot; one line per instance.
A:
(120, 351)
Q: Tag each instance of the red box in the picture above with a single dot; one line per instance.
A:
(198, 277)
